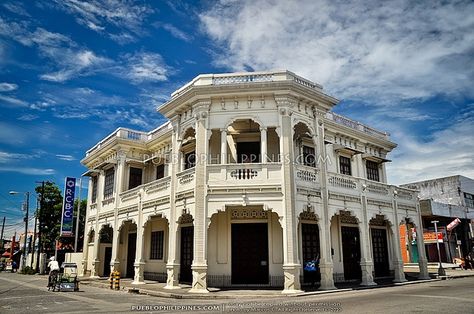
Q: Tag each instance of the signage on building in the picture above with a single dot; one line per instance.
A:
(430, 237)
(453, 224)
(68, 207)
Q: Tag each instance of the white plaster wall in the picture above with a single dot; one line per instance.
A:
(336, 245)
(158, 266)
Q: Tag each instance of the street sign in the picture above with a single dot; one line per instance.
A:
(453, 224)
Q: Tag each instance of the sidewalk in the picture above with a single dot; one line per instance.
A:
(154, 288)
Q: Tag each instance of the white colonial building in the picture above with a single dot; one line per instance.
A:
(252, 176)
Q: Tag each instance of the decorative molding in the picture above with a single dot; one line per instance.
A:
(379, 220)
(379, 203)
(308, 215)
(343, 197)
(347, 218)
(406, 207)
(248, 213)
(185, 218)
(158, 202)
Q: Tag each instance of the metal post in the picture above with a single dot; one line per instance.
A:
(39, 228)
(441, 271)
(78, 214)
(3, 227)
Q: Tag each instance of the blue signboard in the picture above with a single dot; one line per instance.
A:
(68, 207)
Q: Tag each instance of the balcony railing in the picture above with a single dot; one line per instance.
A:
(186, 179)
(122, 133)
(236, 174)
(356, 125)
(342, 181)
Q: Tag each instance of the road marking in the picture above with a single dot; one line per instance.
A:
(434, 297)
(90, 301)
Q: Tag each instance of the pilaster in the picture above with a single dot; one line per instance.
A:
(325, 261)
(199, 264)
(139, 264)
(172, 265)
(291, 264)
(263, 144)
(223, 146)
(366, 262)
(100, 197)
(398, 262)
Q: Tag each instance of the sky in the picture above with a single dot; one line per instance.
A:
(73, 71)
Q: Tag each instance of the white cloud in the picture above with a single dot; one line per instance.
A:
(29, 171)
(28, 117)
(16, 8)
(74, 63)
(176, 32)
(358, 50)
(6, 157)
(7, 87)
(65, 157)
(108, 16)
(449, 152)
(146, 66)
(13, 101)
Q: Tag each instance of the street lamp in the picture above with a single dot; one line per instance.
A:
(441, 271)
(27, 207)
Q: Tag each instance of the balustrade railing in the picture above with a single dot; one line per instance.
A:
(342, 182)
(356, 125)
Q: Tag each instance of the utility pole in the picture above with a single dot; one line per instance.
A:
(25, 252)
(78, 215)
(39, 228)
(3, 227)
(34, 237)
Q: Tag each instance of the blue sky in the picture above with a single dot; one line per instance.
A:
(72, 71)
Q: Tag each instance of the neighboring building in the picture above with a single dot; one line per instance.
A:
(444, 200)
(252, 177)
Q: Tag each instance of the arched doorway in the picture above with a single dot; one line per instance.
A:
(105, 244)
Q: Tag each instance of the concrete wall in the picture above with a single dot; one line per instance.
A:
(75, 258)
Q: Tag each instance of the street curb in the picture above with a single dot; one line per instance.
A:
(208, 296)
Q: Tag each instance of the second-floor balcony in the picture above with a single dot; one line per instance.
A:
(244, 174)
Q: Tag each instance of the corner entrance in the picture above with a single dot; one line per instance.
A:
(351, 253)
(249, 253)
(186, 259)
(380, 252)
(107, 258)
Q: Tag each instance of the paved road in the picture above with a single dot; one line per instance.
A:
(27, 294)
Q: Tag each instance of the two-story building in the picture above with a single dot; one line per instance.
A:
(446, 200)
(252, 176)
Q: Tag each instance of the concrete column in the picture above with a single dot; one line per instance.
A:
(223, 146)
(199, 265)
(291, 263)
(100, 197)
(358, 168)
(120, 175)
(172, 265)
(139, 264)
(85, 246)
(422, 260)
(398, 261)
(115, 261)
(366, 262)
(96, 261)
(325, 261)
(263, 144)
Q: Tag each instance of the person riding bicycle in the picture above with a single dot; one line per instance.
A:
(53, 271)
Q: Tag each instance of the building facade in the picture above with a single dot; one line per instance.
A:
(252, 176)
(444, 200)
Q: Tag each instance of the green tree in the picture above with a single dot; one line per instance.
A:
(49, 215)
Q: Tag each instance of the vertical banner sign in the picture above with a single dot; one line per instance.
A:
(68, 207)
